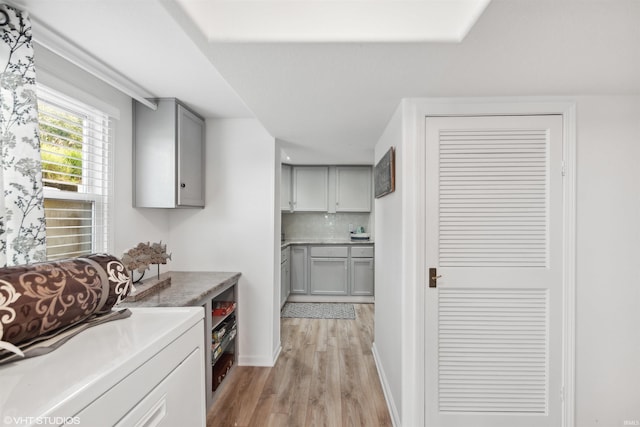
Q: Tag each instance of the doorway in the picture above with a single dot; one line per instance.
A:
(495, 328)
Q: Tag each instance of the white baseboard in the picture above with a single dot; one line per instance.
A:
(331, 298)
(260, 360)
(393, 410)
(276, 354)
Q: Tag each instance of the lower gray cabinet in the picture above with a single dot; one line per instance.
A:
(331, 270)
(284, 282)
(329, 276)
(298, 269)
(362, 276)
(285, 275)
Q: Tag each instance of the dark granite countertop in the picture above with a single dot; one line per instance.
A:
(188, 288)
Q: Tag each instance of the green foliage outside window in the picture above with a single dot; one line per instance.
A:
(61, 136)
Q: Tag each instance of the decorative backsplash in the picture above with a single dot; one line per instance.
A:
(312, 225)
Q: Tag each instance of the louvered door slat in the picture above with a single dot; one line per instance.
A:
(495, 363)
(493, 185)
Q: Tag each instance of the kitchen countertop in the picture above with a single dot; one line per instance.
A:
(188, 288)
(314, 241)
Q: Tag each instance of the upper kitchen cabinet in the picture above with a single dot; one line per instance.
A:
(310, 184)
(168, 153)
(285, 189)
(353, 189)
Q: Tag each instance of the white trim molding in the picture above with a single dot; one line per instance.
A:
(52, 41)
(261, 361)
(570, 248)
(388, 396)
(415, 110)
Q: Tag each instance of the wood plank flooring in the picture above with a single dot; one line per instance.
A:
(325, 376)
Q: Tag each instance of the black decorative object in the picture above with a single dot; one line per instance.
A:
(385, 174)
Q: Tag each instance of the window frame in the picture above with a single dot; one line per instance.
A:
(97, 150)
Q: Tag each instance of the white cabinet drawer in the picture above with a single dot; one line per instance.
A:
(122, 398)
(175, 401)
(330, 251)
(362, 252)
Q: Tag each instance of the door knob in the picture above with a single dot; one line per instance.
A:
(433, 277)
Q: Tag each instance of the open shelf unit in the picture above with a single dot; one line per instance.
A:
(221, 339)
(204, 289)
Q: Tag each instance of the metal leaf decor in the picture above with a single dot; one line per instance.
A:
(145, 254)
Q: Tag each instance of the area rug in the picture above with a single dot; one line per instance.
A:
(318, 310)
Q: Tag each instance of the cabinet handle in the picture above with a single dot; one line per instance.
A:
(155, 415)
(183, 185)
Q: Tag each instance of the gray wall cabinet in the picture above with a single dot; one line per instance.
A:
(168, 156)
(326, 188)
(310, 188)
(286, 203)
(353, 189)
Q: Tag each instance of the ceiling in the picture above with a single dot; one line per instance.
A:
(333, 20)
(330, 101)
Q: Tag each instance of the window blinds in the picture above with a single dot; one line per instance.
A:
(75, 152)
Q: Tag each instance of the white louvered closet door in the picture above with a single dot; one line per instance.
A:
(493, 344)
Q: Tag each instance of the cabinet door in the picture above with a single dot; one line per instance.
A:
(362, 276)
(190, 159)
(177, 400)
(310, 188)
(298, 264)
(285, 188)
(328, 276)
(284, 282)
(158, 376)
(353, 189)
(287, 282)
(154, 155)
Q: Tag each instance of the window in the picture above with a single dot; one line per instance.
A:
(74, 145)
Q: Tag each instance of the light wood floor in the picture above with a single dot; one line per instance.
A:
(325, 376)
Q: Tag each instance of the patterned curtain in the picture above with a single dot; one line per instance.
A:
(22, 224)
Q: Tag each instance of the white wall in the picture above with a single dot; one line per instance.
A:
(130, 225)
(236, 229)
(608, 254)
(608, 260)
(389, 273)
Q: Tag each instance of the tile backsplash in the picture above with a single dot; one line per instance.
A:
(312, 225)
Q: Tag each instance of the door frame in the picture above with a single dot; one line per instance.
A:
(415, 111)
